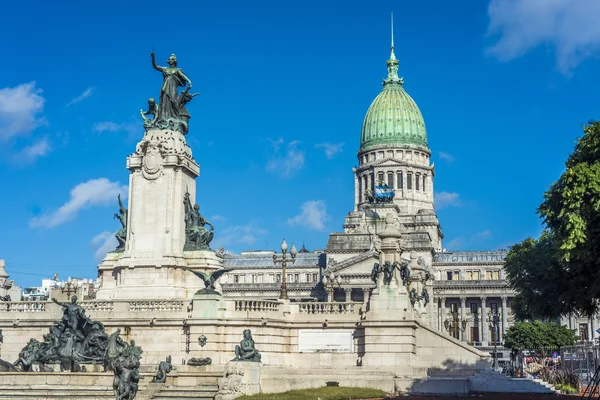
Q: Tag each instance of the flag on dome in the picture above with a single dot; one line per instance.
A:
(384, 192)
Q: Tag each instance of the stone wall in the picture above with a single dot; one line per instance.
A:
(172, 327)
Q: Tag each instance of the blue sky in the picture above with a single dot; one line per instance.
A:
(503, 86)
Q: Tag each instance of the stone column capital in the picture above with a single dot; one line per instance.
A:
(504, 299)
(483, 300)
(463, 300)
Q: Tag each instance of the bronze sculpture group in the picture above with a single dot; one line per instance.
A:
(73, 340)
(197, 237)
(388, 272)
(170, 112)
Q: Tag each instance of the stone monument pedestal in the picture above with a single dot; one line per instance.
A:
(240, 378)
(207, 305)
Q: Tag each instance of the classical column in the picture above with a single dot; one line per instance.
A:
(366, 292)
(442, 312)
(571, 320)
(348, 294)
(484, 322)
(356, 185)
(463, 305)
(504, 316)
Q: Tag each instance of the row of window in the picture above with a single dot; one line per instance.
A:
(394, 180)
(398, 154)
(493, 335)
(275, 278)
(474, 275)
(474, 307)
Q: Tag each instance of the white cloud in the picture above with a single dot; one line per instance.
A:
(331, 149)
(240, 234)
(102, 243)
(569, 27)
(216, 218)
(460, 242)
(93, 192)
(447, 199)
(87, 93)
(19, 110)
(313, 215)
(455, 244)
(30, 153)
(107, 126)
(288, 164)
(479, 236)
(446, 156)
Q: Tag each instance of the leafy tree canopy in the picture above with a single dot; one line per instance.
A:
(538, 337)
(560, 271)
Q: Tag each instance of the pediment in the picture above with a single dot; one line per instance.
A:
(360, 264)
(388, 162)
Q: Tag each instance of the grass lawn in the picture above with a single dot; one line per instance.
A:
(325, 393)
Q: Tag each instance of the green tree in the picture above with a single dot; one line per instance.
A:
(535, 273)
(560, 272)
(571, 212)
(539, 338)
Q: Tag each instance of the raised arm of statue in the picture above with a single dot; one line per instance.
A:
(120, 202)
(156, 67)
(187, 203)
(59, 303)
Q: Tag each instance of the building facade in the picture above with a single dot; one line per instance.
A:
(393, 153)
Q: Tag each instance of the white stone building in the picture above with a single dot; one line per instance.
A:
(393, 151)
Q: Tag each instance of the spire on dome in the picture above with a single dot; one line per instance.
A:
(392, 55)
(392, 64)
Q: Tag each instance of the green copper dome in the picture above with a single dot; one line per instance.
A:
(393, 119)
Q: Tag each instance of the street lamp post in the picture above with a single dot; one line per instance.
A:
(283, 295)
(70, 286)
(329, 281)
(455, 325)
(494, 323)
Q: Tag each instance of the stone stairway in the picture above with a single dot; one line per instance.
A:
(189, 385)
(94, 392)
(184, 393)
(98, 385)
(493, 381)
(57, 385)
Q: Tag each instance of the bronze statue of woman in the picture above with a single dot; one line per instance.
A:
(169, 95)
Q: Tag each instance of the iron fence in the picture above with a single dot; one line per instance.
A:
(583, 359)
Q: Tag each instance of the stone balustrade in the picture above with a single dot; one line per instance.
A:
(97, 306)
(329, 308)
(158, 305)
(22, 306)
(257, 305)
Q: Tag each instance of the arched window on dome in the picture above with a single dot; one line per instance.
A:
(424, 182)
(417, 181)
(366, 186)
(390, 179)
(409, 180)
(400, 181)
